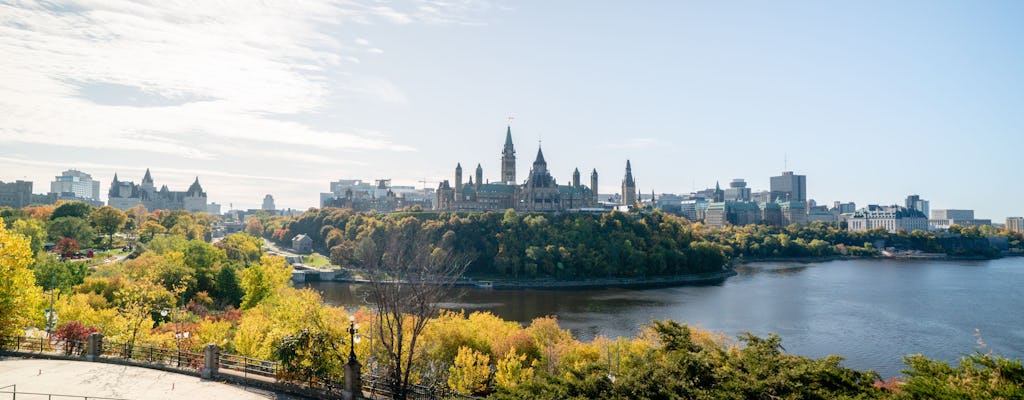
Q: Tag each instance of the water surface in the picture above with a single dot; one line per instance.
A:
(869, 311)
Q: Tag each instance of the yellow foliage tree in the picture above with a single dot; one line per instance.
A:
(470, 372)
(512, 370)
(20, 299)
(264, 280)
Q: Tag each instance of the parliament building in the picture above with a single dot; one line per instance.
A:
(539, 192)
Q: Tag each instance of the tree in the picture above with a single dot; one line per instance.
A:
(264, 280)
(51, 273)
(470, 372)
(76, 209)
(32, 229)
(20, 298)
(108, 220)
(254, 227)
(71, 227)
(409, 276)
(242, 247)
(152, 228)
(227, 291)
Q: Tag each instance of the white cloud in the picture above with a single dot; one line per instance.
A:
(170, 77)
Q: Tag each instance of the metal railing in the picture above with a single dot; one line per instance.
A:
(49, 396)
(183, 360)
(72, 348)
(168, 358)
(249, 366)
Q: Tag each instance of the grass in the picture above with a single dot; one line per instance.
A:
(316, 261)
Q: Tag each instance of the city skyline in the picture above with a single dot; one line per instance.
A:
(872, 101)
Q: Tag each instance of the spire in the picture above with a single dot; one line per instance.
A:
(540, 156)
(194, 190)
(115, 177)
(147, 178)
(508, 138)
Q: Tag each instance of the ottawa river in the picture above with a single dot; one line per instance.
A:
(869, 311)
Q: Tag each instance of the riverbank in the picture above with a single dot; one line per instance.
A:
(601, 283)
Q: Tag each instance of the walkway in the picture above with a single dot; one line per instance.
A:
(81, 378)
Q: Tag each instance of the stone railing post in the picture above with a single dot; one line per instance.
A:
(211, 361)
(353, 382)
(94, 346)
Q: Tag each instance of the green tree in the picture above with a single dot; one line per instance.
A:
(227, 290)
(242, 247)
(71, 227)
(76, 209)
(108, 220)
(51, 272)
(264, 280)
(32, 229)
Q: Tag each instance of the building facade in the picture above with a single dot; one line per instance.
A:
(789, 187)
(124, 195)
(15, 194)
(78, 183)
(891, 218)
(540, 192)
(945, 218)
(1015, 224)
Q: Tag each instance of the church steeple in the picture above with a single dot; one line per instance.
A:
(508, 159)
(479, 176)
(540, 157)
(629, 192)
(458, 178)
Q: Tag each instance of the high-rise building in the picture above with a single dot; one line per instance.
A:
(737, 191)
(268, 203)
(914, 202)
(77, 182)
(789, 187)
(1015, 224)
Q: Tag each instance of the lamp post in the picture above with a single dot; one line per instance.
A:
(353, 384)
(353, 332)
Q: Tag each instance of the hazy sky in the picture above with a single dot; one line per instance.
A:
(872, 100)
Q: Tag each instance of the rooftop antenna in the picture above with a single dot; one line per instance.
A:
(785, 162)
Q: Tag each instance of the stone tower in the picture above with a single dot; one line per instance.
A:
(479, 176)
(147, 182)
(593, 184)
(458, 179)
(508, 160)
(576, 178)
(628, 187)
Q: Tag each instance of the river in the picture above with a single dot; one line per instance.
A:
(869, 311)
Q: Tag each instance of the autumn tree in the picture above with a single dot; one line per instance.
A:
(254, 227)
(411, 269)
(20, 298)
(32, 229)
(108, 220)
(71, 227)
(242, 247)
(265, 279)
(76, 209)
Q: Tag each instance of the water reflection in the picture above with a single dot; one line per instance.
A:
(869, 311)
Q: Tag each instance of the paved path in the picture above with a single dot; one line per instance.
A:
(79, 378)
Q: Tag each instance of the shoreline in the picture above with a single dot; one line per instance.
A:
(550, 284)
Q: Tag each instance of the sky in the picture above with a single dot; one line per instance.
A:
(871, 100)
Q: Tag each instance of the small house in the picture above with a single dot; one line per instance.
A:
(302, 244)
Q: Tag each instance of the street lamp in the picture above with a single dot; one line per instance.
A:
(353, 331)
